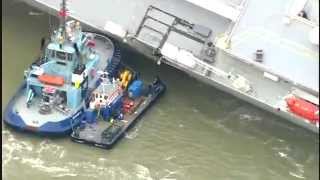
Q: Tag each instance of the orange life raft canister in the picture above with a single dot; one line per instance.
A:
(52, 80)
(303, 108)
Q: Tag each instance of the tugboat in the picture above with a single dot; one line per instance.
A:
(52, 98)
(115, 106)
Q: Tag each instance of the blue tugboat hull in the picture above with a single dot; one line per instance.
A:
(61, 124)
(62, 127)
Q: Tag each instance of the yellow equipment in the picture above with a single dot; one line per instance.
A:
(77, 84)
(125, 78)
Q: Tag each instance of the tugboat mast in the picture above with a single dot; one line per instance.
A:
(63, 15)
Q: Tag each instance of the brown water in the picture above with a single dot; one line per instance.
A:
(194, 132)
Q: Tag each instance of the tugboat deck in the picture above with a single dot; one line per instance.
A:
(32, 114)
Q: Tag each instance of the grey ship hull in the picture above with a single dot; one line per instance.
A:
(267, 94)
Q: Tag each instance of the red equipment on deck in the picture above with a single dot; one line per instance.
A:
(127, 105)
(51, 80)
(303, 108)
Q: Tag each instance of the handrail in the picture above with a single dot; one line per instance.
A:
(244, 5)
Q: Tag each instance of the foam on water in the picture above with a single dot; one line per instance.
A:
(143, 172)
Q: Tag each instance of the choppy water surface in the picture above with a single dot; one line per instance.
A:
(193, 132)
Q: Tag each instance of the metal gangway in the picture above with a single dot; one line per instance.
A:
(164, 24)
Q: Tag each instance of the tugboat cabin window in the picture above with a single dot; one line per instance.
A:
(62, 55)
